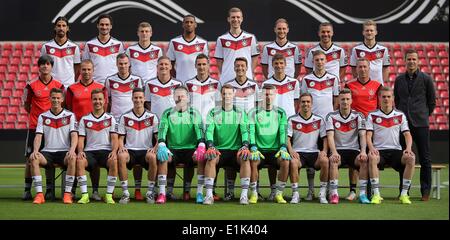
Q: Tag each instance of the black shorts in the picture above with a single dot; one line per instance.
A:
(29, 142)
(270, 160)
(308, 159)
(55, 158)
(183, 156)
(97, 158)
(348, 157)
(228, 159)
(391, 158)
(137, 157)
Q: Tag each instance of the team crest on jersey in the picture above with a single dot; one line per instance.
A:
(334, 55)
(353, 124)
(378, 54)
(132, 85)
(362, 54)
(371, 92)
(337, 124)
(48, 121)
(328, 83)
(227, 43)
(180, 47)
(290, 87)
(68, 51)
(135, 54)
(95, 49)
(299, 126)
(197, 48)
(312, 84)
(395, 120)
(244, 42)
(147, 122)
(78, 93)
(289, 52)
(155, 89)
(273, 52)
(211, 87)
(106, 123)
(219, 119)
(112, 49)
(52, 50)
(378, 120)
(314, 125)
(115, 85)
(194, 88)
(152, 55)
(64, 121)
(89, 124)
(130, 123)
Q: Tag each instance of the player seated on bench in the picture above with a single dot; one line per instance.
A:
(58, 127)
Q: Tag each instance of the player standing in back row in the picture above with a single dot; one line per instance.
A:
(234, 44)
(184, 49)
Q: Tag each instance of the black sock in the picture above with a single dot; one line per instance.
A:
(352, 187)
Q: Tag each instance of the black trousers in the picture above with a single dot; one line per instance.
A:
(421, 137)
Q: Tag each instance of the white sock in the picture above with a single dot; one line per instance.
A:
(69, 183)
(209, 184)
(253, 187)
(111, 184)
(82, 180)
(162, 184)
(151, 187)
(375, 185)
(362, 187)
(37, 183)
(124, 185)
(323, 188)
(334, 186)
(200, 183)
(245, 182)
(280, 187)
(230, 185)
(406, 185)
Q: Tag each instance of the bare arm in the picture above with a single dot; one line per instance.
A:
(354, 73)
(265, 70)
(219, 63)
(385, 73)
(342, 74)
(298, 68)
(173, 72)
(254, 63)
(335, 102)
(76, 69)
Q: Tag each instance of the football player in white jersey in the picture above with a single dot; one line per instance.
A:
(384, 127)
(144, 55)
(336, 57)
(65, 54)
(158, 97)
(324, 88)
(103, 49)
(281, 45)
(120, 89)
(97, 146)
(288, 92)
(184, 49)
(234, 44)
(305, 130)
(344, 128)
(137, 128)
(370, 49)
(58, 127)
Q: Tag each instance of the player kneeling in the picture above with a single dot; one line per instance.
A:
(383, 139)
(304, 131)
(227, 141)
(137, 128)
(60, 136)
(267, 126)
(97, 146)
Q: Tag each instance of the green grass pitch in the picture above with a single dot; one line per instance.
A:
(11, 207)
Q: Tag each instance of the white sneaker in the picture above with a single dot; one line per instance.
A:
(96, 196)
(229, 196)
(243, 200)
(209, 200)
(124, 199)
(150, 198)
(310, 196)
(295, 198)
(351, 196)
(323, 199)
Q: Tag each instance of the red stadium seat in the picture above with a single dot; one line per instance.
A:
(436, 69)
(3, 69)
(443, 54)
(445, 103)
(6, 53)
(23, 118)
(29, 46)
(2, 117)
(397, 46)
(392, 77)
(438, 77)
(441, 119)
(399, 62)
(425, 69)
(11, 117)
(7, 46)
(401, 69)
(4, 101)
(212, 45)
(423, 62)
(39, 46)
(24, 69)
(442, 46)
(258, 69)
(438, 111)
(9, 125)
(16, 101)
(34, 76)
(18, 46)
(28, 53)
(215, 75)
(429, 47)
(13, 68)
(442, 86)
(4, 61)
(434, 62)
(35, 69)
(444, 62)
(431, 54)
(443, 94)
(398, 54)
(445, 69)
(214, 69)
(3, 109)
(20, 85)
(213, 61)
(421, 54)
(18, 92)
(407, 46)
(21, 125)
(259, 77)
(418, 46)
(17, 53)
(26, 61)
(6, 93)
(11, 77)
(8, 85)
(14, 110)
(442, 126)
(23, 77)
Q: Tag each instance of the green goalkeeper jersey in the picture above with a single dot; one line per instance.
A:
(227, 130)
(267, 128)
(181, 130)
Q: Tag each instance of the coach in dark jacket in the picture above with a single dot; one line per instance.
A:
(415, 96)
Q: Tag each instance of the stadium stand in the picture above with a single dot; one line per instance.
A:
(18, 64)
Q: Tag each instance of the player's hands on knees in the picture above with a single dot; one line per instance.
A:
(295, 155)
(322, 155)
(71, 154)
(112, 155)
(212, 153)
(35, 155)
(283, 154)
(153, 149)
(199, 154)
(256, 155)
(335, 157)
(363, 157)
(408, 152)
(244, 153)
(122, 150)
(374, 152)
(163, 152)
(81, 155)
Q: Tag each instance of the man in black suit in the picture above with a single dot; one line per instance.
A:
(415, 96)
